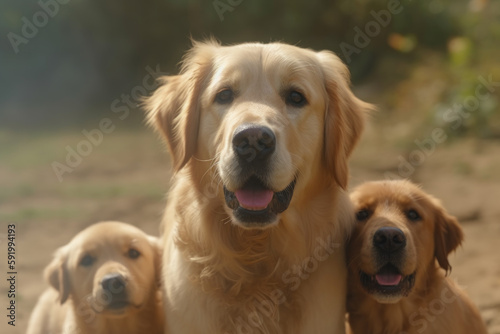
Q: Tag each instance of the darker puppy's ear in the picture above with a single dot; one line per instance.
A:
(344, 119)
(448, 236)
(173, 108)
(56, 273)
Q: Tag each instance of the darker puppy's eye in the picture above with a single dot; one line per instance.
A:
(295, 99)
(363, 214)
(225, 96)
(133, 253)
(87, 261)
(413, 215)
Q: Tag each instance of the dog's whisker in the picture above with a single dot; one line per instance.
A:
(203, 160)
(212, 169)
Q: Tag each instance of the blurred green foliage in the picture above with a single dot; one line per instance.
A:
(90, 52)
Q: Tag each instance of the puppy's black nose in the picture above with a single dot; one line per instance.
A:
(114, 283)
(253, 142)
(389, 239)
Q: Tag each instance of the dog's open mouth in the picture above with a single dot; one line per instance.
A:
(255, 203)
(388, 281)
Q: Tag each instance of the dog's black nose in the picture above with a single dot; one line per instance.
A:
(389, 239)
(114, 283)
(253, 142)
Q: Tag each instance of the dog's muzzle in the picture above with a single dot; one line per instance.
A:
(255, 203)
(114, 285)
(389, 244)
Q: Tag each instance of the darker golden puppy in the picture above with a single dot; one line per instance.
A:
(105, 281)
(260, 136)
(398, 260)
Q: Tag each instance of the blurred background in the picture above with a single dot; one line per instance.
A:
(74, 149)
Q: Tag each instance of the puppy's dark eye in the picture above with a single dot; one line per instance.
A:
(413, 215)
(295, 99)
(225, 96)
(363, 214)
(87, 261)
(133, 253)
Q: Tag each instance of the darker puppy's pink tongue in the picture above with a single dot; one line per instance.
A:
(388, 279)
(253, 199)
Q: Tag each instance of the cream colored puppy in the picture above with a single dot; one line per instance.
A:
(105, 281)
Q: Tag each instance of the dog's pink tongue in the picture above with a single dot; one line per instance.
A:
(388, 279)
(254, 199)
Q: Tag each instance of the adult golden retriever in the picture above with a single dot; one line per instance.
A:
(105, 281)
(254, 229)
(398, 260)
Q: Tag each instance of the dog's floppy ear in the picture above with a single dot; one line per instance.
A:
(56, 274)
(447, 237)
(344, 120)
(158, 251)
(173, 108)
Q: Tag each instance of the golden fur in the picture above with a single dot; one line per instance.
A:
(77, 302)
(435, 304)
(222, 276)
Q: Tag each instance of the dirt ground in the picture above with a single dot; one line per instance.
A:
(125, 178)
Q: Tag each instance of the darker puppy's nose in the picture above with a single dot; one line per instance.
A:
(114, 283)
(389, 239)
(253, 142)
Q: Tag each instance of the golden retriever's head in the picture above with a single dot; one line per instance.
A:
(110, 268)
(400, 232)
(256, 123)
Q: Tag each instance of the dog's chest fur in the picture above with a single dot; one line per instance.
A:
(252, 281)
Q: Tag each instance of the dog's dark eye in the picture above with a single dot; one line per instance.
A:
(133, 253)
(87, 261)
(295, 99)
(363, 214)
(225, 96)
(413, 215)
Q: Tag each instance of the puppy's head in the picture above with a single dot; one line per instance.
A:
(399, 235)
(258, 124)
(110, 268)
